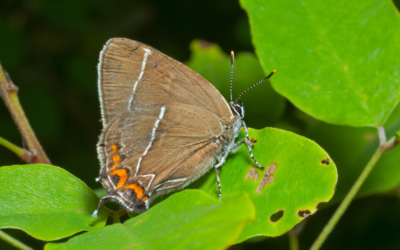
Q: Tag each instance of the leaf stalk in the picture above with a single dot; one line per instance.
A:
(13, 242)
(8, 92)
(355, 188)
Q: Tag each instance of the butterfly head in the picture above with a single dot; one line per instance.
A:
(237, 108)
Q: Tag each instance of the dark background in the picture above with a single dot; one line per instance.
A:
(51, 48)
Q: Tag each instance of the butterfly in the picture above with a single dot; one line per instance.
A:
(164, 125)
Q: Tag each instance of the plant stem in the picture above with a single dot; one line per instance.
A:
(381, 135)
(392, 143)
(24, 154)
(8, 92)
(116, 218)
(13, 242)
(294, 235)
(293, 241)
(349, 197)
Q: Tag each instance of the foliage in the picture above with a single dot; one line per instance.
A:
(337, 63)
(190, 219)
(47, 202)
(339, 71)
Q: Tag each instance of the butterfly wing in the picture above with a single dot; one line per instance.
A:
(132, 75)
(160, 119)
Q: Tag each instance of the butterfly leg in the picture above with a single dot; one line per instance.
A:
(237, 144)
(219, 184)
(220, 163)
(249, 145)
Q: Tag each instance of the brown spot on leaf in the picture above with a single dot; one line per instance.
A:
(303, 213)
(252, 174)
(369, 136)
(275, 217)
(268, 177)
(204, 44)
(325, 161)
(253, 141)
(140, 221)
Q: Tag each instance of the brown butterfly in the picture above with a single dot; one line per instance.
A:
(164, 124)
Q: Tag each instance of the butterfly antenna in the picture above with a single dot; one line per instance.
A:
(263, 80)
(232, 63)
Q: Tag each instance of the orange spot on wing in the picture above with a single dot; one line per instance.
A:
(144, 198)
(114, 148)
(138, 190)
(117, 160)
(123, 175)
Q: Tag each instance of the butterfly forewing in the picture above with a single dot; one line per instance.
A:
(158, 78)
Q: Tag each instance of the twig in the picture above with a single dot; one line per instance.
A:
(24, 154)
(8, 92)
(13, 242)
(293, 241)
(392, 143)
(382, 135)
(294, 235)
(353, 191)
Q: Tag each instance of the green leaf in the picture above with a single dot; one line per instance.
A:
(213, 64)
(335, 60)
(190, 219)
(47, 202)
(305, 176)
(352, 148)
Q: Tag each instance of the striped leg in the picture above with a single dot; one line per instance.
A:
(244, 140)
(216, 173)
(237, 144)
(249, 144)
(219, 184)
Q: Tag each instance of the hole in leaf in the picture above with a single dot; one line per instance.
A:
(268, 177)
(276, 216)
(326, 161)
(252, 174)
(303, 213)
(253, 141)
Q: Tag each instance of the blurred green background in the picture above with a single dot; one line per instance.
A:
(51, 48)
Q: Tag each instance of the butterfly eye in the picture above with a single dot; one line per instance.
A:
(238, 109)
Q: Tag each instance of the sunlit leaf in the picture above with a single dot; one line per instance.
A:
(337, 61)
(47, 202)
(190, 219)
